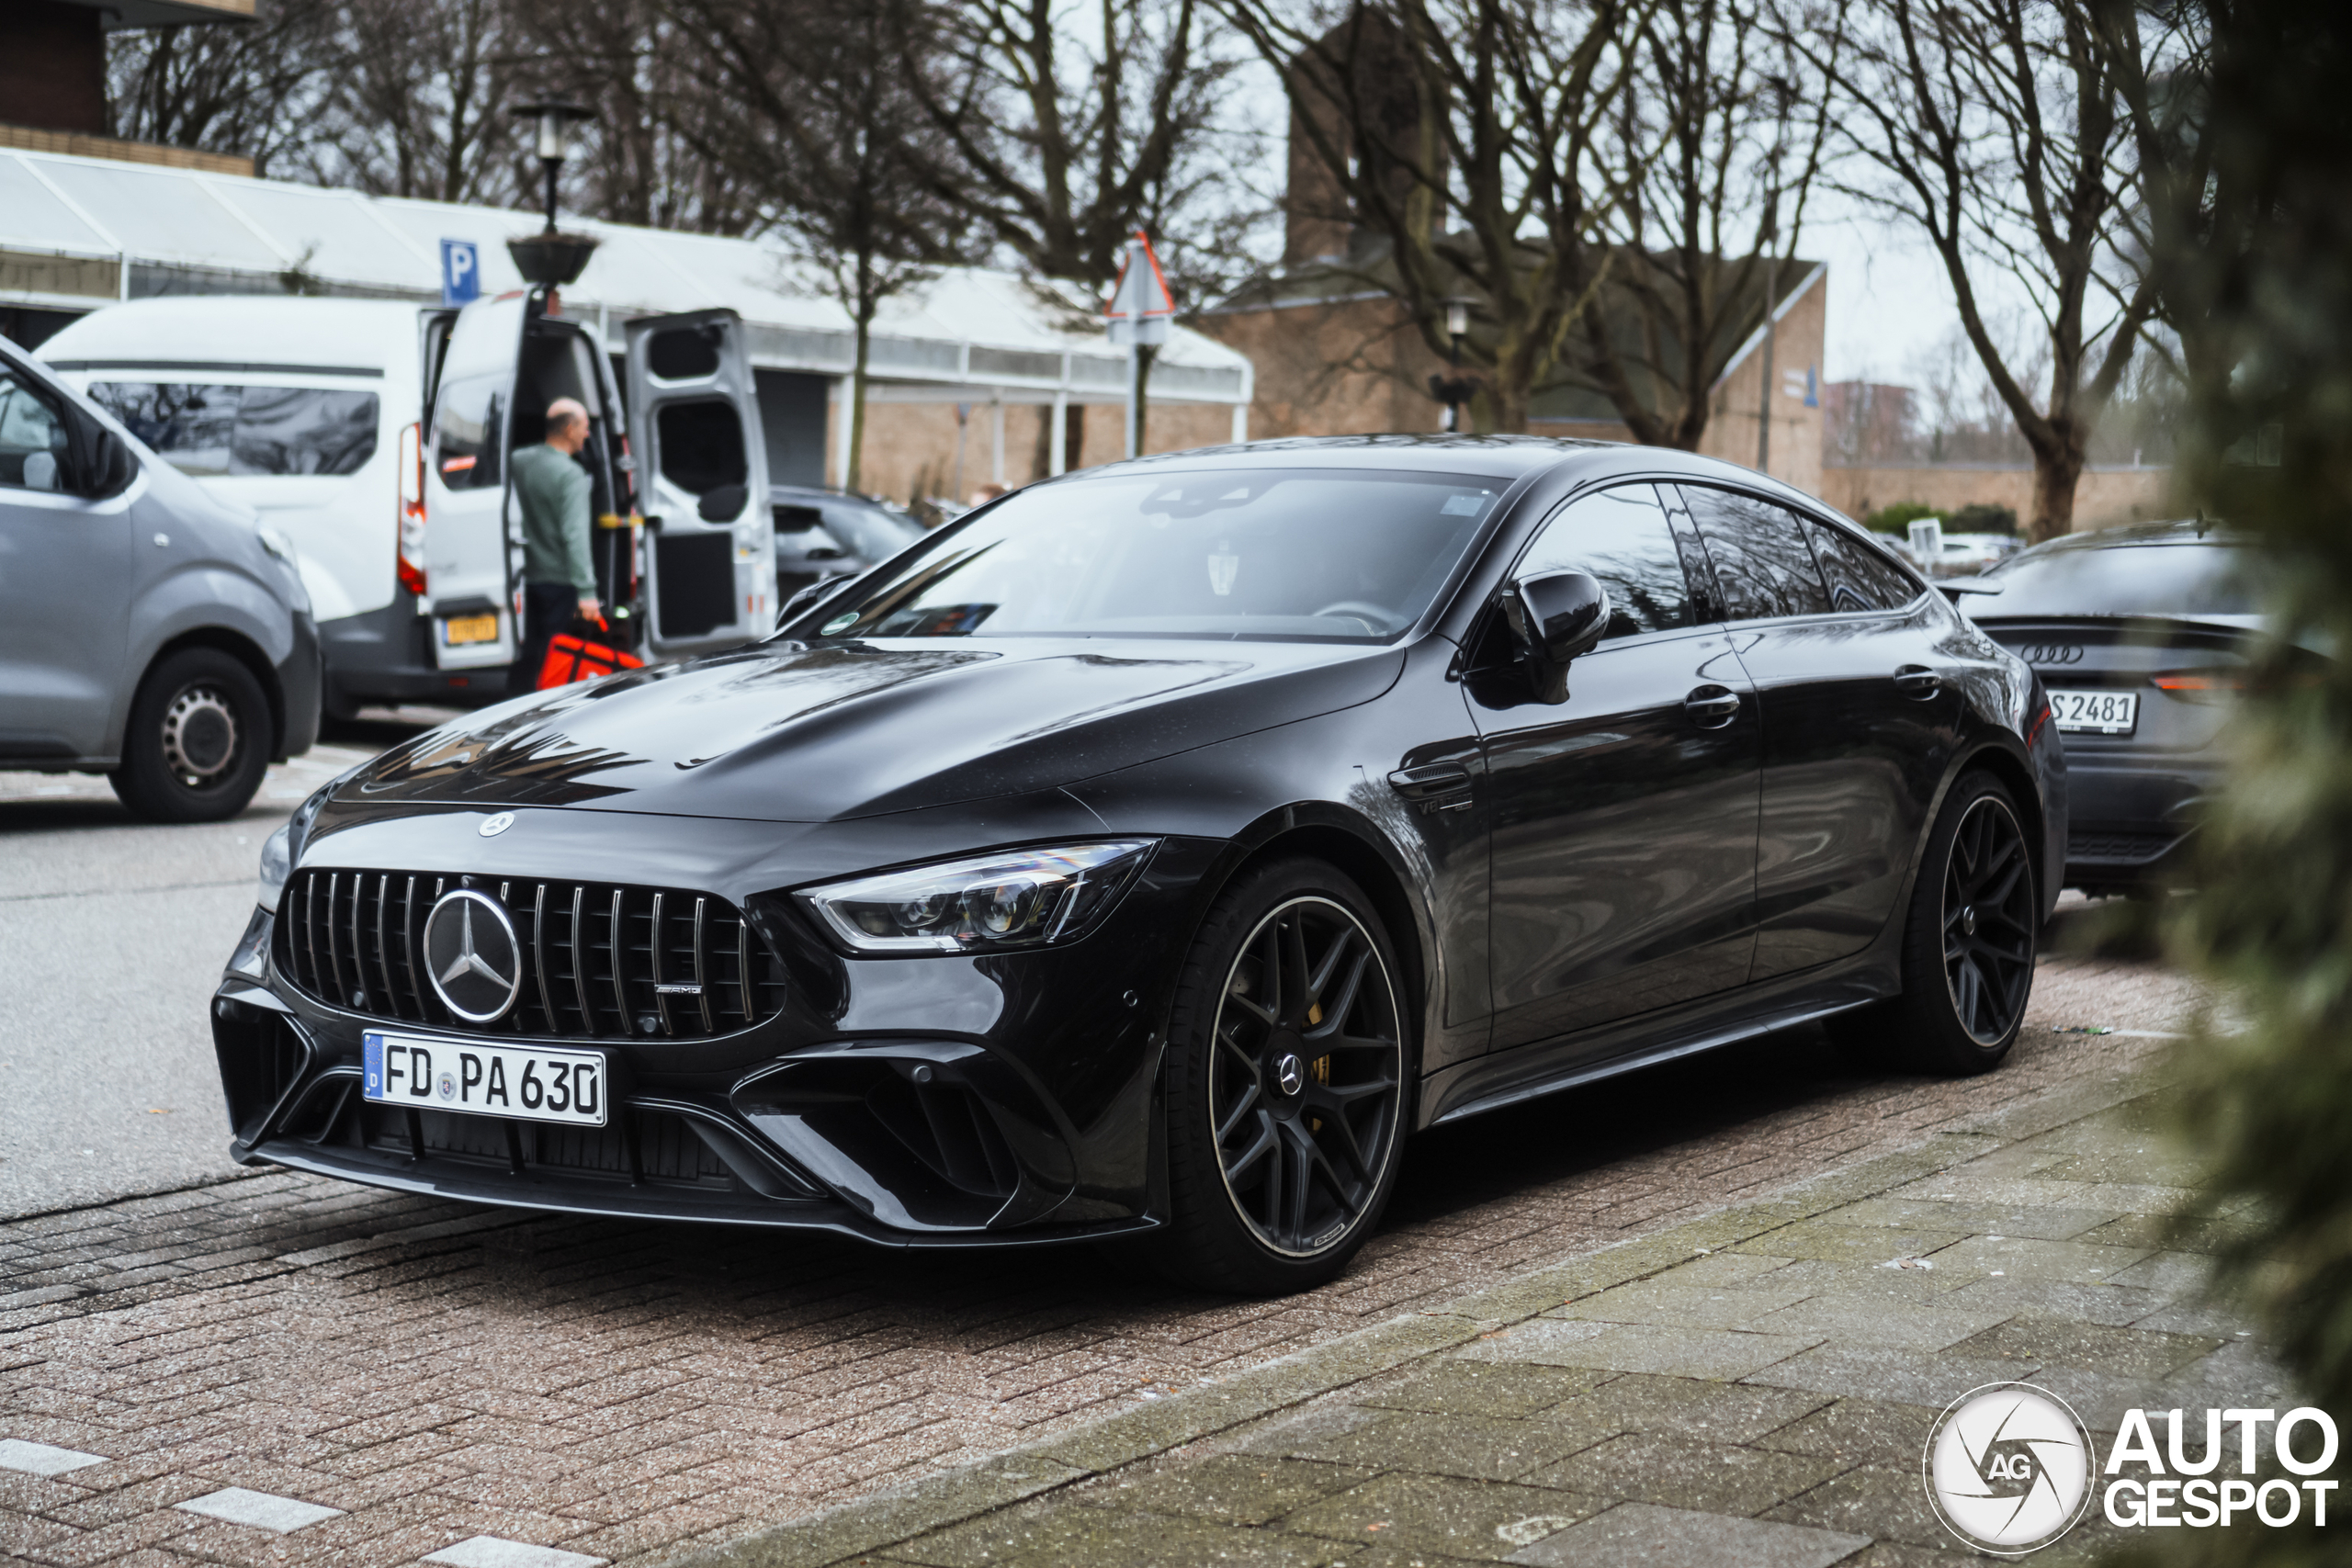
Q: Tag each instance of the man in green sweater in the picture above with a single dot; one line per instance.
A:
(559, 578)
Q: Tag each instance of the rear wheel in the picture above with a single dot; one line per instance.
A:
(198, 741)
(1969, 945)
(1287, 1076)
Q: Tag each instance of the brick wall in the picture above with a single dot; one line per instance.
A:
(2104, 497)
(911, 447)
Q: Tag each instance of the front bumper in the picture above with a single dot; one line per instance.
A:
(930, 1101)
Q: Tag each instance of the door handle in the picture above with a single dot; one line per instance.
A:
(1434, 787)
(1711, 707)
(1917, 682)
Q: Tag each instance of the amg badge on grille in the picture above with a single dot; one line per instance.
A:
(473, 956)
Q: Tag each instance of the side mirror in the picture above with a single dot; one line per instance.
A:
(102, 465)
(115, 465)
(1554, 617)
(1557, 613)
(723, 504)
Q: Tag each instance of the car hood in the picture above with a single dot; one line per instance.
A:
(789, 732)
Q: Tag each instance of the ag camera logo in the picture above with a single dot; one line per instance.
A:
(2008, 1468)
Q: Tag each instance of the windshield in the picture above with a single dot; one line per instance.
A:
(2128, 579)
(1239, 553)
(870, 532)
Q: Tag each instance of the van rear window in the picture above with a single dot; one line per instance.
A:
(208, 429)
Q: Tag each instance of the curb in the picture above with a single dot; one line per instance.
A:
(1109, 1443)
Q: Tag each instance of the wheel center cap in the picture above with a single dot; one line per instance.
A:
(1290, 1073)
(1967, 920)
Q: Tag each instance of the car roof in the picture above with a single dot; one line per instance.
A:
(241, 333)
(814, 492)
(1505, 458)
(2177, 531)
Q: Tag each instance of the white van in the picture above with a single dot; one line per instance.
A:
(375, 434)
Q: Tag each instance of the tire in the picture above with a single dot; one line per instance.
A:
(1970, 939)
(1310, 1099)
(198, 741)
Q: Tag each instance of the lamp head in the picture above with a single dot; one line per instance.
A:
(554, 118)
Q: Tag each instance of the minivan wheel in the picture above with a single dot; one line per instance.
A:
(1286, 1083)
(1969, 942)
(198, 741)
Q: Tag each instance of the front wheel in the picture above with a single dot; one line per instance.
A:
(197, 741)
(1970, 943)
(1286, 1083)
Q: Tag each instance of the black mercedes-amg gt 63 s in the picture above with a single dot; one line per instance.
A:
(1150, 851)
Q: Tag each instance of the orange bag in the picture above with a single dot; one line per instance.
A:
(576, 655)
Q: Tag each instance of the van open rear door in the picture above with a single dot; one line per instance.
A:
(694, 419)
(466, 533)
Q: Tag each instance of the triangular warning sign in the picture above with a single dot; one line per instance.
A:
(1142, 289)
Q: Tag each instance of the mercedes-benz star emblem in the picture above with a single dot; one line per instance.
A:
(1289, 1074)
(471, 955)
(493, 827)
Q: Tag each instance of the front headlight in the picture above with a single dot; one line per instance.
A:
(276, 865)
(279, 851)
(991, 903)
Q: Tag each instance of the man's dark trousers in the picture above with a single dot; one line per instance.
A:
(548, 609)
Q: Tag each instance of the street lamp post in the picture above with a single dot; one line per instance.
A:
(1456, 390)
(549, 256)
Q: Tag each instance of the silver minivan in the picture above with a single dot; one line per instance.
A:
(148, 630)
(375, 434)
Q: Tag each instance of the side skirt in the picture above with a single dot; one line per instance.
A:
(1528, 1072)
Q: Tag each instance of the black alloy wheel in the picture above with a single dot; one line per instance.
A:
(1288, 1075)
(1969, 944)
(197, 741)
(1988, 924)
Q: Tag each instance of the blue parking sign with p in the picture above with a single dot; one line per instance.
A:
(460, 272)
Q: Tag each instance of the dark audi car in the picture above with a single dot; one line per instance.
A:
(1149, 851)
(2143, 637)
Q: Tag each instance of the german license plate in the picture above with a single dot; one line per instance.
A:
(2095, 712)
(460, 629)
(521, 1081)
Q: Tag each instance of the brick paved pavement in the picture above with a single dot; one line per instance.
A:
(441, 1373)
(1754, 1389)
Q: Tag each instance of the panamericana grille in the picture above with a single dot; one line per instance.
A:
(599, 960)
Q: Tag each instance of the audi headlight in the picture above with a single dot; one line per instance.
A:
(993, 903)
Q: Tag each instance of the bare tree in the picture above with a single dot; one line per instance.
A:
(1721, 129)
(255, 91)
(1451, 148)
(812, 103)
(640, 159)
(420, 100)
(1994, 128)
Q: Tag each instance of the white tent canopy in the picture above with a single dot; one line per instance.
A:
(76, 234)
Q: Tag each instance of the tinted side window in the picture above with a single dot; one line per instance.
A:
(1858, 576)
(1623, 538)
(202, 429)
(701, 445)
(1762, 562)
(465, 431)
